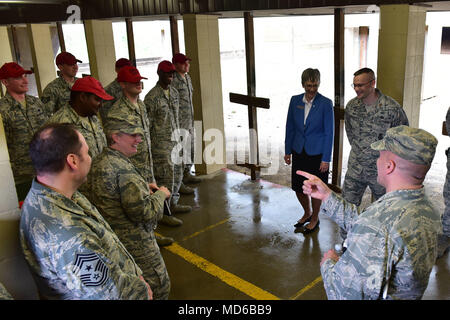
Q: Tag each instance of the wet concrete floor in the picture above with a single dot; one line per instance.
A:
(239, 243)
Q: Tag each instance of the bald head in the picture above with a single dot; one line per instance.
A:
(395, 172)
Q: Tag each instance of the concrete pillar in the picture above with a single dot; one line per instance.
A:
(42, 54)
(14, 273)
(100, 44)
(5, 52)
(401, 56)
(201, 33)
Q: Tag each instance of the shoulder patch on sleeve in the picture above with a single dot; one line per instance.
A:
(92, 270)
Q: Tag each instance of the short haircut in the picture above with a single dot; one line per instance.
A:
(365, 70)
(310, 74)
(75, 94)
(50, 146)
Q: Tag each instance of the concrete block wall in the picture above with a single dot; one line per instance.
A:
(14, 272)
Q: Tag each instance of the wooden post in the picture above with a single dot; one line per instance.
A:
(338, 95)
(174, 35)
(130, 38)
(62, 43)
(251, 91)
(363, 40)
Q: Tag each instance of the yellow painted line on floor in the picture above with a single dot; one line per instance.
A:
(206, 229)
(227, 277)
(309, 286)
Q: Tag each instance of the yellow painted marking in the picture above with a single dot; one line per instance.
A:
(229, 278)
(206, 229)
(309, 286)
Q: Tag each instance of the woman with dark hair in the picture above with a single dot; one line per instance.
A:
(308, 142)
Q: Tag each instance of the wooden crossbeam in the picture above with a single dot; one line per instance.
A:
(250, 101)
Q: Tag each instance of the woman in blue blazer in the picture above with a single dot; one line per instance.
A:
(308, 142)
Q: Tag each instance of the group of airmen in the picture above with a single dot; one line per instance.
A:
(94, 169)
(96, 189)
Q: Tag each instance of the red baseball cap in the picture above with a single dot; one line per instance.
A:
(180, 58)
(92, 85)
(166, 66)
(122, 62)
(66, 58)
(129, 74)
(12, 70)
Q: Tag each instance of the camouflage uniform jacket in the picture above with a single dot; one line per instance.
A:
(56, 94)
(392, 244)
(4, 294)
(186, 110)
(73, 252)
(163, 115)
(89, 127)
(113, 89)
(124, 113)
(122, 194)
(366, 125)
(20, 125)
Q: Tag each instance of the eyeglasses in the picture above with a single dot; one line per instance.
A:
(359, 85)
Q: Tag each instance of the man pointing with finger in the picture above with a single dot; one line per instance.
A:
(392, 245)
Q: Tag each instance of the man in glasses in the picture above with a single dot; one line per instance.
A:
(367, 117)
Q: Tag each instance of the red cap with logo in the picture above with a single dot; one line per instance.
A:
(129, 74)
(180, 58)
(12, 70)
(123, 62)
(166, 66)
(91, 85)
(66, 58)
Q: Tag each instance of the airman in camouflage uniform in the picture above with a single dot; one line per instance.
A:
(182, 82)
(444, 239)
(4, 294)
(124, 199)
(22, 116)
(81, 111)
(72, 251)
(162, 104)
(392, 245)
(365, 124)
(57, 93)
(367, 117)
(114, 89)
(125, 113)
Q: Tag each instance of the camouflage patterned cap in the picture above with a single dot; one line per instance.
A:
(412, 144)
(111, 127)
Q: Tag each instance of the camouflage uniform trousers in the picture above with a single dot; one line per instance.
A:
(145, 251)
(444, 238)
(168, 174)
(356, 181)
(186, 112)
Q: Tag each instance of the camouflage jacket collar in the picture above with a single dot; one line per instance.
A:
(77, 119)
(160, 91)
(116, 153)
(380, 100)
(124, 99)
(64, 83)
(410, 193)
(13, 103)
(58, 199)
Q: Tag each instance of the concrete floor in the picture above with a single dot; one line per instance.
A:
(239, 243)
